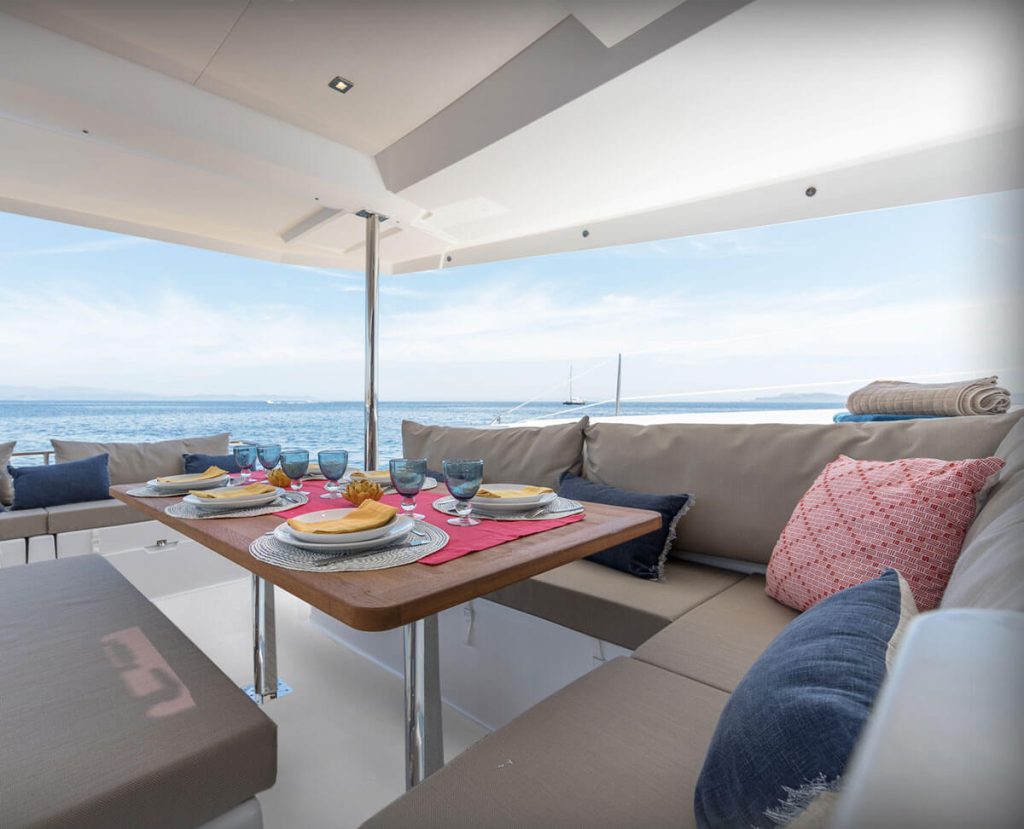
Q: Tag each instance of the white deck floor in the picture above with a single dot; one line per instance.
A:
(340, 733)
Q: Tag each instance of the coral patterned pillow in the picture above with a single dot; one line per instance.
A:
(860, 517)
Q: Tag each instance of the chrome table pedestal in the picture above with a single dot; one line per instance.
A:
(264, 641)
(424, 742)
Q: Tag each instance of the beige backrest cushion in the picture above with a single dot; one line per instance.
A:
(990, 570)
(748, 478)
(516, 455)
(6, 485)
(132, 463)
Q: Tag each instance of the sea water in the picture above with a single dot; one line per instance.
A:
(306, 425)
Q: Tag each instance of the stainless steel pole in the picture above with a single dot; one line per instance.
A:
(264, 640)
(618, 387)
(372, 341)
(424, 742)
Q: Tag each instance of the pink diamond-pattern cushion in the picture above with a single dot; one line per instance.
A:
(860, 517)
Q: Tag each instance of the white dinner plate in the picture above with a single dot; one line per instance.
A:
(183, 486)
(232, 503)
(283, 533)
(343, 538)
(511, 504)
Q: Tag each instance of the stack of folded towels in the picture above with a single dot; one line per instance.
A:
(899, 400)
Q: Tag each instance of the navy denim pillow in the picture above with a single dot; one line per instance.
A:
(196, 464)
(64, 483)
(644, 556)
(788, 730)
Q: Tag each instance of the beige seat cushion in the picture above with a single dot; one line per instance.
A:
(990, 570)
(748, 478)
(132, 463)
(620, 747)
(91, 515)
(519, 455)
(22, 523)
(612, 605)
(718, 641)
(110, 716)
(6, 484)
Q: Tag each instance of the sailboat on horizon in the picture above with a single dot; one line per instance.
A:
(570, 400)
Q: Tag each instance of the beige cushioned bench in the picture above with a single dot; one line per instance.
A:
(624, 745)
(129, 463)
(746, 479)
(109, 715)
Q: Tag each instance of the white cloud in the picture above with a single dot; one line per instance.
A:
(94, 246)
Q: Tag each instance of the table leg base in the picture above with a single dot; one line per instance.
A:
(283, 689)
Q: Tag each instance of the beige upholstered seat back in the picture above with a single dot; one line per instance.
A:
(747, 478)
(990, 570)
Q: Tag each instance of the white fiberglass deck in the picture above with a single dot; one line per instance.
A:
(340, 733)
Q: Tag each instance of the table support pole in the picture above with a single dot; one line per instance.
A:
(264, 640)
(424, 742)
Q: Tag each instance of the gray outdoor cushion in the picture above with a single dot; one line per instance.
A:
(6, 487)
(22, 523)
(109, 715)
(716, 642)
(612, 605)
(517, 455)
(620, 747)
(91, 515)
(747, 478)
(132, 463)
(990, 570)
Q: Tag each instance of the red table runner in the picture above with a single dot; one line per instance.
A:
(464, 540)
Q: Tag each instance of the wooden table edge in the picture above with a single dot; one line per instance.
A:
(380, 617)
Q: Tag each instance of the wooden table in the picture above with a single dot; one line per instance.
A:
(410, 595)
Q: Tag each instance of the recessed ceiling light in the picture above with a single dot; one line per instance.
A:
(339, 84)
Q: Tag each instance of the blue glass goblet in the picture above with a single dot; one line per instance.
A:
(333, 463)
(269, 454)
(295, 464)
(245, 457)
(407, 477)
(463, 479)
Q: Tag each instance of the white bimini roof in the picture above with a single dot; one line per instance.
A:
(492, 130)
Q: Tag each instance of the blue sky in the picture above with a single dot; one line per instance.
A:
(931, 289)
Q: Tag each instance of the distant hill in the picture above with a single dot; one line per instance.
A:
(92, 393)
(69, 393)
(803, 397)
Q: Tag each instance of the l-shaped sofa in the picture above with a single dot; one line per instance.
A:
(623, 746)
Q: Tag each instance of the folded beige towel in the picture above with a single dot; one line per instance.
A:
(968, 397)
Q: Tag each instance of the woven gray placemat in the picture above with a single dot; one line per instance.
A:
(412, 548)
(281, 504)
(559, 508)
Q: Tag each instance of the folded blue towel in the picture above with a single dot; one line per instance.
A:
(846, 417)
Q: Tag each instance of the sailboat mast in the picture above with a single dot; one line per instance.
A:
(570, 383)
(618, 387)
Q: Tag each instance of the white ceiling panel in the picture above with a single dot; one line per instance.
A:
(407, 60)
(793, 96)
(879, 103)
(176, 37)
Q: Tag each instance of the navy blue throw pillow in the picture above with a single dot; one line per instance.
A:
(644, 556)
(787, 732)
(197, 464)
(64, 483)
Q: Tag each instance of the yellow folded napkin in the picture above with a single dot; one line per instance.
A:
(233, 492)
(522, 492)
(211, 472)
(367, 516)
(376, 477)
